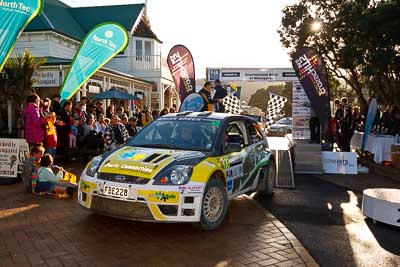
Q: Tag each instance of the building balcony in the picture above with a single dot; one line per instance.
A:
(145, 63)
(148, 67)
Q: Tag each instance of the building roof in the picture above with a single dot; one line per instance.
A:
(51, 61)
(76, 22)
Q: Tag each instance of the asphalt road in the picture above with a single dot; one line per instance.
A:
(327, 220)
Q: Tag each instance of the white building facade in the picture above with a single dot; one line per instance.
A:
(140, 70)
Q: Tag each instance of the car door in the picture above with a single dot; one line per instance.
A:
(234, 132)
(255, 155)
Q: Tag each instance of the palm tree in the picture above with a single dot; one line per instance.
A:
(17, 83)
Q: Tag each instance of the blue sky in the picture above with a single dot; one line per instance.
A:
(219, 33)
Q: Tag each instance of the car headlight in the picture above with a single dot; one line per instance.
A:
(176, 175)
(181, 175)
(94, 165)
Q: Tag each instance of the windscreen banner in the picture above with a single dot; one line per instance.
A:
(14, 17)
(100, 45)
(311, 71)
(181, 65)
(193, 102)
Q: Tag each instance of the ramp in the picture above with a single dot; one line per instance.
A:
(280, 148)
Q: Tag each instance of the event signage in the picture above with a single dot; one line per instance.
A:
(14, 17)
(252, 74)
(339, 162)
(230, 75)
(373, 106)
(12, 155)
(100, 45)
(181, 65)
(313, 76)
(47, 78)
(300, 113)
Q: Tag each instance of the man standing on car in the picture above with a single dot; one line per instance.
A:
(220, 94)
(206, 95)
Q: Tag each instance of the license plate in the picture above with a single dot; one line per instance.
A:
(116, 191)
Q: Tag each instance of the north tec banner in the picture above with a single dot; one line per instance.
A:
(181, 65)
(100, 45)
(312, 74)
(14, 17)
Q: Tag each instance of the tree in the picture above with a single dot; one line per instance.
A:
(17, 84)
(358, 41)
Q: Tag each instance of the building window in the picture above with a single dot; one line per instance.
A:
(139, 50)
(147, 50)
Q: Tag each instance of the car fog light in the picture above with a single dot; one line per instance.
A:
(164, 180)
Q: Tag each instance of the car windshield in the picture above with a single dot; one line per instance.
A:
(179, 133)
(285, 121)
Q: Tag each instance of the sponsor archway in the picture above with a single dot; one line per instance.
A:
(245, 78)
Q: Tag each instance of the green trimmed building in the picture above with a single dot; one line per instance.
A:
(141, 70)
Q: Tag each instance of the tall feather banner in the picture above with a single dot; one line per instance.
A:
(275, 106)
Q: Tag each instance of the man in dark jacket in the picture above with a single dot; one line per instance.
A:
(206, 95)
(132, 126)
(220, 94)
(56, 106)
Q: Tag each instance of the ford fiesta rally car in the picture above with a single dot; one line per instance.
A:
(181, 168)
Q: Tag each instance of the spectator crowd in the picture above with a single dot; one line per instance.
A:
(65, 128)
(348, 119)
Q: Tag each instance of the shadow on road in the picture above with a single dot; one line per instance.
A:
(386, 235)
(314, 213)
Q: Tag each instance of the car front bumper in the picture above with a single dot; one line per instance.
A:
(145, 202)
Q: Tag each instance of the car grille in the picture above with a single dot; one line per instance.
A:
(125, 179)
(121, 209)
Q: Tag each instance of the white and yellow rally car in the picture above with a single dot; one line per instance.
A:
(181, 168)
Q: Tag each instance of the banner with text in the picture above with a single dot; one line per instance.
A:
(181, 65)
(14, 17)
(12, 156)
(312, 74)
(339, 162)
(100, 45)
(300, 113)
(372, 111)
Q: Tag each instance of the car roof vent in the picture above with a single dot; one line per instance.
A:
(182, 114)
(205, 114)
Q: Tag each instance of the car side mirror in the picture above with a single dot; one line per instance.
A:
(232, 148)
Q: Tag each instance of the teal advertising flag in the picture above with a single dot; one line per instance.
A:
(100, 45)
(14, 17)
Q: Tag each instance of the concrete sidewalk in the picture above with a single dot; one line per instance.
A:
(41, 231)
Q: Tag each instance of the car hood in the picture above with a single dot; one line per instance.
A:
(146, 162)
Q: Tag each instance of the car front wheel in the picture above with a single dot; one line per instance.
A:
(214, 206)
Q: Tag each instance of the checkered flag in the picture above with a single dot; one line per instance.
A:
(275, 106)
(232, 104)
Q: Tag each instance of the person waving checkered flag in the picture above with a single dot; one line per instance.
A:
(275, 106)
(232, 104)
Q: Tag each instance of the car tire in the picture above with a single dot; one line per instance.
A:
(214, 206)
(268, 179)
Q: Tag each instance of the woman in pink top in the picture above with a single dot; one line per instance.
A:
(34, 122)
